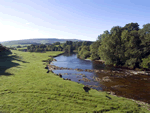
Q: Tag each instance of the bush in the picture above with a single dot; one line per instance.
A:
(94, 56)
(131, 62)
(145, 62)
(84, 54)
(18, 46)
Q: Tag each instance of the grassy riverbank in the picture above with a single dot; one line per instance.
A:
(26, 87)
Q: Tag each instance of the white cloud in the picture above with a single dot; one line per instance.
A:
(27, 23)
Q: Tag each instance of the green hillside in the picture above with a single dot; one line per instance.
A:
(36, 41)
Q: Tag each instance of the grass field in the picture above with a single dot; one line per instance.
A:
(21, 49)
(26, 87)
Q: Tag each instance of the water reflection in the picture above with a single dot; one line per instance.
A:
(98, 65)
(71, 61)
(135, 87)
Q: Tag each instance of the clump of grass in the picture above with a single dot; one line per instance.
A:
(31, 89)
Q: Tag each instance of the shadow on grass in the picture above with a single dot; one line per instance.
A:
(6, 62)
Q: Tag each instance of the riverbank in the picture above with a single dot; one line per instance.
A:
(107, 78)
(27, 87)
(131, 71)
(83, 76)
(112, 79)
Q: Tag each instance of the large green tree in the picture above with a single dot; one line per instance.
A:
(122, 46)
(110, 49)
(83, 52)
(94, 50)
(145, 45)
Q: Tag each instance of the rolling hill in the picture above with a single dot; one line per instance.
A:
(36, 41)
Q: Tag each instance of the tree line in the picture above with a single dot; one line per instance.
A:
(68, 46)
(127, 46)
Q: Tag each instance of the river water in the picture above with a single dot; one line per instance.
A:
(134, 87)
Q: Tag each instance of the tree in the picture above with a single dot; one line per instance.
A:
(94, 50)
(67, 49)
(83, 52)
(69, 42)
(56, 43)
(3, 48)
(18, 46)
(145, 62)
(144, 35)
(42, 46)
(131, 48)
(131, 27)
(60, 48)
(87, 43)
(101, 36)
(145, 39)
(110, 49)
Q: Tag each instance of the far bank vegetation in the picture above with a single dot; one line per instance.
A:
(127, 46)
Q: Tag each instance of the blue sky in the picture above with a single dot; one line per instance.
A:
(68, 19)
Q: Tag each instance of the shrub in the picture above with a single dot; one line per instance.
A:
(145, 62)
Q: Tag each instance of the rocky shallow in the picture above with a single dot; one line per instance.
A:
(114, 73)
(119, 82)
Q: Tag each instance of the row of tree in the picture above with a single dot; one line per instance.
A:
(68, 46)
(121, 46)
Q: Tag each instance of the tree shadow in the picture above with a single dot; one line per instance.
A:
(6, 59)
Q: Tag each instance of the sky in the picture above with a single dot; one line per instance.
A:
(68, 19)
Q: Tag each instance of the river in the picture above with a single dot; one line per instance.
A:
(134, 87)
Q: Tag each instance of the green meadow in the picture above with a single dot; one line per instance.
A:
(26, 87)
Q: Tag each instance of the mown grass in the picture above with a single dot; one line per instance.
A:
(28, 88)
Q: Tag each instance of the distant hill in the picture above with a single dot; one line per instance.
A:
(36, 41)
